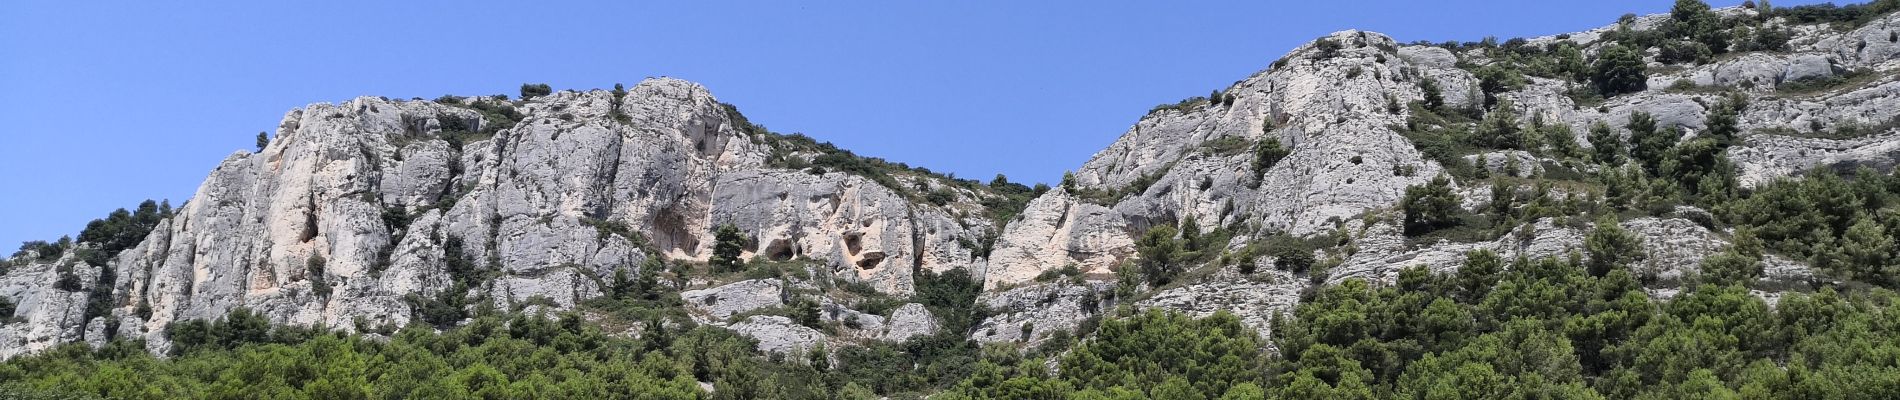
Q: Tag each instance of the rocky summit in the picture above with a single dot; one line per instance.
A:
(1745, 148)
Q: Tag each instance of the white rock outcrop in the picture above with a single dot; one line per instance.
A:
(378, 198)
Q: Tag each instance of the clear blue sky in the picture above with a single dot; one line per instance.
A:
(103, 104)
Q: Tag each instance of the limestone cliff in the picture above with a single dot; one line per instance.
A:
(356, 207)
(358, 210)
(1338, 103)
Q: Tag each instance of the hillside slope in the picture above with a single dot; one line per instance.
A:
(1713, 152)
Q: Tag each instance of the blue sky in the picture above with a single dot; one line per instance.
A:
(103, 105)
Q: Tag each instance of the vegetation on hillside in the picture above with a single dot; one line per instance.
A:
(1575, 327)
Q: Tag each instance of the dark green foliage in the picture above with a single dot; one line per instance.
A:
(496, 115)
(263, 139)
(1701, 169)
(520, 357)
(6, 309)
(1730, 267)
(728, 244)
(107, 237)
(1683, 51)
(940, 196)
(1693, 20)
(804, 311)
(1557, 139)
(123, 229)
(1650, 144)
(1185, 105)
(68, 279)
(1328, 48)
(1067, 271)
(1500, 129)
(1445, 138)
(951, 296)
(319, 278)
(1765, 38)
(619, 95)
(1721, 123)
(1609, 247)
(241, 327)
(1161, 255)
(1504, 199)
(1430, 206)
(1145, 350)
(449, 306)
(531, 91)
(1851, 15)
(1547, 329)
(1494, 79)
(1153, 354)
(396, 219)
(1618, 70)
(1266, 154)
(1844, 226)
(1290, 254)
(1434, 99)
(790, 151)
(42, 250)
(1688, 10)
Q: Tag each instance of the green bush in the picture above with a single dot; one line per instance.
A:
(1430, 207)
(1500, 129)
(1160, 255)
(531, 91)
(314, 269)
(1610, 247)
(728, 244)
(1618, 70)
(940, 196)
(1267, 153)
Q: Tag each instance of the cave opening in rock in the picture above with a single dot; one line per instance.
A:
(669, 231)
(853, 243)
(779, 250)
(871, 260)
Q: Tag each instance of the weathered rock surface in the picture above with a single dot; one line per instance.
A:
(1030, 314)
(777, 334)
(909, 321)
(861, 228)
(719, 303)
(1058, 229)
(1252, 298)
(376, 198)
(45, 315)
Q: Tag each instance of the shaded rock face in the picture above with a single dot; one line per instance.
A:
(376, 199)
(739, 306)
(864, 230)
(1333, 109)
(1056, 230)
(1030, 314)
(45, 315)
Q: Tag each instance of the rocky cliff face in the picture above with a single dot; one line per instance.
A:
(357, 209)
(1336, 109)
